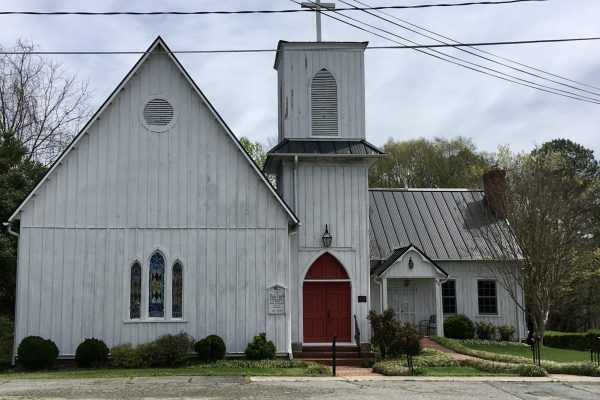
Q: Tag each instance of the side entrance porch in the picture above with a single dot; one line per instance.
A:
(410, 283)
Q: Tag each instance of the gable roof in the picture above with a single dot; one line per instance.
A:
(448, 224)
(331, 148)
(157, 44)
(381, 267)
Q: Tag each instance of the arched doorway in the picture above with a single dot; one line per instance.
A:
(326, 301)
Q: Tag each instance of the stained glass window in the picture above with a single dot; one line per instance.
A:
(156, 303)
(177, 291)
(135, 294)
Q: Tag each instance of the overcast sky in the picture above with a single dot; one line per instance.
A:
(408, 94)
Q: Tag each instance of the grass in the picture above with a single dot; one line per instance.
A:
(523, 350)
(219, 368)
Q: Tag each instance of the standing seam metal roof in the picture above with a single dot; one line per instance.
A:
(448, 224)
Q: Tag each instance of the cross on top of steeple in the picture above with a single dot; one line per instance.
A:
(318, 6)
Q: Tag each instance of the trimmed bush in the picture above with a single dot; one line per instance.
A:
(459, 327)
(530, 370)
(37, 353)
(91, 353)
(506, 332)
(260, 349)
(485, 331)
(169, 350)
(125, 356)
(572, 341)
(211, 348)
(7, 329)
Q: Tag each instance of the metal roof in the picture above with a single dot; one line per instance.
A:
(329, 148)
(447, 224)
(379, 268)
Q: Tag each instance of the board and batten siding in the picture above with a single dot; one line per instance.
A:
(467, 273)
(123, 192)
(334, 194)
(296, 69)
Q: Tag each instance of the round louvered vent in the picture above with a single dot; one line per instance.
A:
(158, 112)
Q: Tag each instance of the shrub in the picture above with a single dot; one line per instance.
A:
(366, 362)
(168, 350)
(210, 348)
(91, 353)
(390, 337)
(459, 327)
(7, 329)
(37, 353)
(125, 356)
(530, 370)
(573, 341)
(485, 331)
(260, 349)
(506, 332)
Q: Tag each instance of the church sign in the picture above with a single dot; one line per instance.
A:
(276, 299)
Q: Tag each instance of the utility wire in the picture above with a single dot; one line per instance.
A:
(91, 13)
(399, 47)
(461, 62)
(459, 44)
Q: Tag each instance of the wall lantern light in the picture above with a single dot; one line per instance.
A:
(406, 282)
(411, 263)
(327, 238)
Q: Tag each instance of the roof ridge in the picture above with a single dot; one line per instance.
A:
(425, 189)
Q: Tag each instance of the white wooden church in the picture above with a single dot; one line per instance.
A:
(155, 220)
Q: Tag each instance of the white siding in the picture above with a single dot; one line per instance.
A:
(296, 69)
(466, 274)
(334, 194)
(124, 192)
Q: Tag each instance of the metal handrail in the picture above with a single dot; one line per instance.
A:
(356, 333)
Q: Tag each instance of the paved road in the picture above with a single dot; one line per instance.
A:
(243, 388)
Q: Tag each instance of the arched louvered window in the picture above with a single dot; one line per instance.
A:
(135, 291)
(156, 302)
(177, 291)
(323, 104)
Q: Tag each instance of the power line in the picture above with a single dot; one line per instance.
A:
(480, 56)
(399, 47)
(459, 44)
(108, 13)
(461, 62)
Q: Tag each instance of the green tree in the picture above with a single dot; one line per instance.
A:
(579, 161)
(437, 163)
(550, 211)
(256, 150)
(18, 175)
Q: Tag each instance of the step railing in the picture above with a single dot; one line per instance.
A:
(357, 333)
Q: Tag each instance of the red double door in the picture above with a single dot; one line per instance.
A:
(326, 305)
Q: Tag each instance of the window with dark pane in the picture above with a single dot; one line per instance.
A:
(135, 291)
(156, 303)
(177, 291)
(449, 297)
(324, 104)
(487, 299)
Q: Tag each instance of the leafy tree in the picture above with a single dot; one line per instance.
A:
(550, 211)
(18, 175)
(579, 162)
(423, 163)
(255, 150)
(39, 102)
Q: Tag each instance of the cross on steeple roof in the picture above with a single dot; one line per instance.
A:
(317, 5)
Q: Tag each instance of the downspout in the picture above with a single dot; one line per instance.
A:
(295, 183)
(8, 226)
(380, 283)
(294, 232)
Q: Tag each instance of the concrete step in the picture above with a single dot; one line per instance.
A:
(322, 354)
(345, 362)
(329, 348)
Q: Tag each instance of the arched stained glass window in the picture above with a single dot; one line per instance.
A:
(135, 291)
(177, 291)
(324, 104)
(156, 303)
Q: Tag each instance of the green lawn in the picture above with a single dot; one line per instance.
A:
(522, 350)
(227, 367)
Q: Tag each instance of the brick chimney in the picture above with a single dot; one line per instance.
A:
(494, 189)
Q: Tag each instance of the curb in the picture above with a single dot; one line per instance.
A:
(551, 378)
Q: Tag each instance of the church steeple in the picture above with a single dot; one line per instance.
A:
(321, 90)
